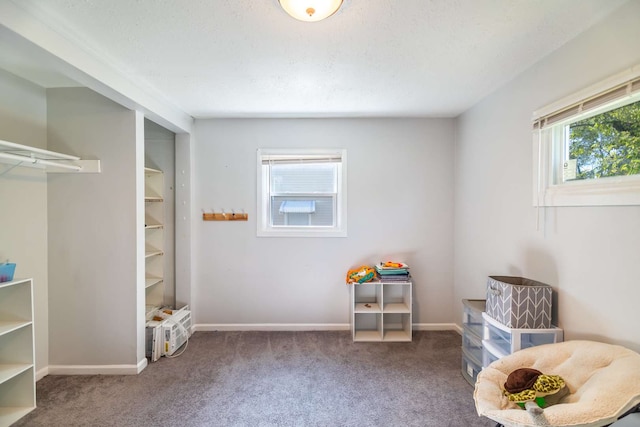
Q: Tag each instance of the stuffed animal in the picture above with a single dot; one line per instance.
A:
(528, 387)
(361, 274)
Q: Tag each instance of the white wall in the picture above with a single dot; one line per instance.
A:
(590, 255)
(95, 223)
(23, 198)
(399, 208)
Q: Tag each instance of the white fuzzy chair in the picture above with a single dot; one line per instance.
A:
(603, 383)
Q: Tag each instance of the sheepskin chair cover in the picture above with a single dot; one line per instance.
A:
(603, 382)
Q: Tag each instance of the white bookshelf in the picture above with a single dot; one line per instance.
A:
(17, 370)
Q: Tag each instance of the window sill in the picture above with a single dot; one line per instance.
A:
(620, 191)
(301, 232)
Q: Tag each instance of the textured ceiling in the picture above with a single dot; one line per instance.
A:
(248, 58)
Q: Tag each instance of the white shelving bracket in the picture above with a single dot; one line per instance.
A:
(52, 162)
(86, 166)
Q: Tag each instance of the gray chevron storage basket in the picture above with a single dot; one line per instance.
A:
(519, 303)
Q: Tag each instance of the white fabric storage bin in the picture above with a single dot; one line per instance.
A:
(519, 303)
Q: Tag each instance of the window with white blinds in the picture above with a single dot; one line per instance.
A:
(587, 146)
(301, 192)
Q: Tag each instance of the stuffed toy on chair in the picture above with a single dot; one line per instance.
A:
(528, 387)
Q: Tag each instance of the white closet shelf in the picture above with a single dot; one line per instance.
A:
(12, 325)
(9, 415)
(52, 162)
(9, 371)
(151, 281)
(151, 253)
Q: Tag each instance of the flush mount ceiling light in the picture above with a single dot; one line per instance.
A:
(310, 10)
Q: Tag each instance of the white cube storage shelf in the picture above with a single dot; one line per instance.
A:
(381, 311)
(17, 370)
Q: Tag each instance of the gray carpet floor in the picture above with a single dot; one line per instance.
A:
(274, 379)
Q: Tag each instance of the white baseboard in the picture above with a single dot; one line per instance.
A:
(437, 327)
(41, 373)
(210, 327)
(97, 369)
(142, 364)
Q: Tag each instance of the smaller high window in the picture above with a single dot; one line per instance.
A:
(587, 148)
(302, 192)
(604, 145)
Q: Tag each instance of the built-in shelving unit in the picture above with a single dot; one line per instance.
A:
(17, 370)
(52, 162)
(381, 311)
(154, 238)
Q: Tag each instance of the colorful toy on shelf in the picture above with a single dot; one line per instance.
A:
(361, 274)
(528, 387)
(391, 264)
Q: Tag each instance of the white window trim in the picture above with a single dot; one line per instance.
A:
(548, 187)
(264, 229)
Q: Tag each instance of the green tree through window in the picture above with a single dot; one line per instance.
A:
(607, 144)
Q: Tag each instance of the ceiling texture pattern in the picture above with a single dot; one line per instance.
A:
(373, 58)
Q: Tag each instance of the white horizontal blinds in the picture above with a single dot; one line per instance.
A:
(306, 178)
(300, 179)
(591, 103)
(273, 159)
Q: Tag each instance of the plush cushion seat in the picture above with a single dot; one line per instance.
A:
(603, 382)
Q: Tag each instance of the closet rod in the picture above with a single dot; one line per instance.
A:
(20, 147)
(32, 161)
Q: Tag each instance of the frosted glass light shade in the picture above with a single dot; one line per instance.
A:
(310, 10)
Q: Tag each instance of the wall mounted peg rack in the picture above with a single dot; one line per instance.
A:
(224, 216)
